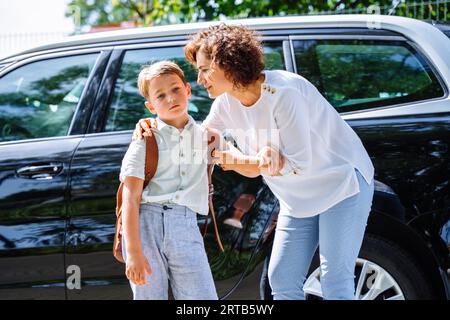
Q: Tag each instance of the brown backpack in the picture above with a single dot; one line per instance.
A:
(151, 163)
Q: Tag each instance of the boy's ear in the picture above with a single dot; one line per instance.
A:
(150, 107)
(188, 89)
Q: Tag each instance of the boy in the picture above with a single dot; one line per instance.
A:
(161, 239)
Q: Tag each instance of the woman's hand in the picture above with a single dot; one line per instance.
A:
(228, 159)
(143, 128)
(136, 267)
(268, 161)
(271, 159)
(233, 159)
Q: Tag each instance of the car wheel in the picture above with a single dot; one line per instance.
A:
(384, 271)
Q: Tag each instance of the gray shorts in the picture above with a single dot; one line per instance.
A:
(174, 247)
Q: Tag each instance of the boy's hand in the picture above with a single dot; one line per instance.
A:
(143, 128)
(136, 267)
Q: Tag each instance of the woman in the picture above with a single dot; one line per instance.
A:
(325, 183)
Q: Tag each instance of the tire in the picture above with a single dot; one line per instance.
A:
(395, 268)
(400, 265)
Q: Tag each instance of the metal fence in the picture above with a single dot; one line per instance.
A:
(422, 10)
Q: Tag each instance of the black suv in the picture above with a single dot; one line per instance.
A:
(67, 111)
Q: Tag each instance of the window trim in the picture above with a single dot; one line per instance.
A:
(23, 62)
(414, 45)
(345, 37)
(287, 54)
(3, 65)
(181, 43)
(100, 65)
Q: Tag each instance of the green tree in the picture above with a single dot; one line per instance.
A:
(159, 12)
(155, 12)
(141, 12)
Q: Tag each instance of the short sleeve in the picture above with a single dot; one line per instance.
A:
(214, 119)
(133, 163)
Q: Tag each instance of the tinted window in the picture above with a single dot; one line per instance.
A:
(127, 105)
(273, 53)
(40, 98)
(358, 74)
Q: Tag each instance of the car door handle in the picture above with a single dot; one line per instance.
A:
(41, 171)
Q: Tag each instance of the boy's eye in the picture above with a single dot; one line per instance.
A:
(161, 96)
(176, 89)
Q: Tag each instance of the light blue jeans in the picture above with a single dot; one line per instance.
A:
(174, 248)
(338, 232)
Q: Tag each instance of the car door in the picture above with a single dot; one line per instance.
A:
(391, 95)
(40, 99)
(93, 187)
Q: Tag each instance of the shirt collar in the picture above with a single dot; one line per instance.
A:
(161, 124)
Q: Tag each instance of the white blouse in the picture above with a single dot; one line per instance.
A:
(321, 150)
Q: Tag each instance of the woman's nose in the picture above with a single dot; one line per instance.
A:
(200, 79)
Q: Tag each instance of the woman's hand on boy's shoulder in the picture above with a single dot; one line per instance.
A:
(143, 128)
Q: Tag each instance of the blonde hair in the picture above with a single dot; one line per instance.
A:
(149, 72)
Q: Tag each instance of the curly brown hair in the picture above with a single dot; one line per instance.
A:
(235, 48)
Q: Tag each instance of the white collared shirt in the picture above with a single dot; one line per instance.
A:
(321, 150)
(181, 176)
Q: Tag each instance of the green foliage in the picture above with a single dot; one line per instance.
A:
(159, 12)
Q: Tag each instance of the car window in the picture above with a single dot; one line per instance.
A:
(361, 74)
(39, 99)
(127, 105)
(273, 54)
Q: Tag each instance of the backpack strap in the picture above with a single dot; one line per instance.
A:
(151, 158)
(211, 209)
(214, 137)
